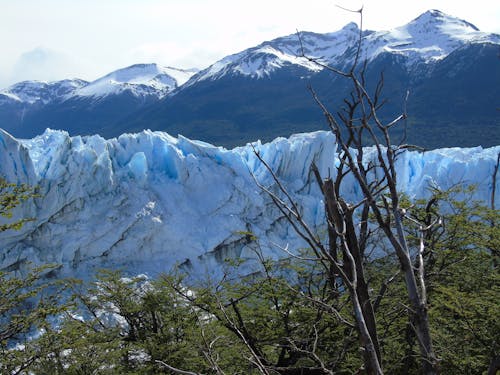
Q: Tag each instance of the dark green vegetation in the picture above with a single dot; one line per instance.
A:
(290, 317)
(11, 196)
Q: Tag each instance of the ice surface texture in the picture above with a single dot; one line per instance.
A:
(145, 202)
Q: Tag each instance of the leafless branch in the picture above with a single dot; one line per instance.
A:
(176, 370)
(256, 358)
(383, 289)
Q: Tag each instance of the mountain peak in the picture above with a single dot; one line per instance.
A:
(262, 60)
(351, 26)
(140, 79)
(430, 37)
(436, 13)
(438, 18)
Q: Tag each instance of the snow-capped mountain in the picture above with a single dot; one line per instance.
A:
(141, 80)
(266, 58)
(145, 202)
(448, 67)
(39, 92)
(28, 108)
(430, 37)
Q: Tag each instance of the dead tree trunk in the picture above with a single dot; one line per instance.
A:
(343, 239)
(340, 215)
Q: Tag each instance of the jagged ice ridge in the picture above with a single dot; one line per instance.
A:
(145, 202)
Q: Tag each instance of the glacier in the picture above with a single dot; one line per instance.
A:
(145, 202)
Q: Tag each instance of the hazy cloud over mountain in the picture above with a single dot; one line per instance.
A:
(43, 64)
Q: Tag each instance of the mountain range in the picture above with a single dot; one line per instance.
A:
(445, 66)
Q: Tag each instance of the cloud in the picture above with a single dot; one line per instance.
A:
(175, 54)
(43, 64)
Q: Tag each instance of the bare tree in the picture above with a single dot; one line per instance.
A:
(355, 124)
(346, 266)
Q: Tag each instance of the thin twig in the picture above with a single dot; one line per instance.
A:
(176, 370)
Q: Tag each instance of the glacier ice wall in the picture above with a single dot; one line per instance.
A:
(144, 202)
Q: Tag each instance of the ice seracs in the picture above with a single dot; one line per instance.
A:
(145, 202)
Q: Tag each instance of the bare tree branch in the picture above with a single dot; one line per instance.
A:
(176, 370)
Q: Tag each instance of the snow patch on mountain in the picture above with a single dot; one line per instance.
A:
(33, 92)
(261, 61)
(145, 202)
(431, 36)
(141, 80)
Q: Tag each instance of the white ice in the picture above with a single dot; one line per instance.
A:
(145, 202)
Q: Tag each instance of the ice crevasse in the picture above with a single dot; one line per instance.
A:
(145, 202)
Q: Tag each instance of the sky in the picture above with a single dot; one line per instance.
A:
(57, 39)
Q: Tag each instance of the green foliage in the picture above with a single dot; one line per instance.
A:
(27, 307)
(11, 196)
(28, 304)
(462, 284)
(123, 325)
(282, 314)
(290, 316)
(464, 311)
